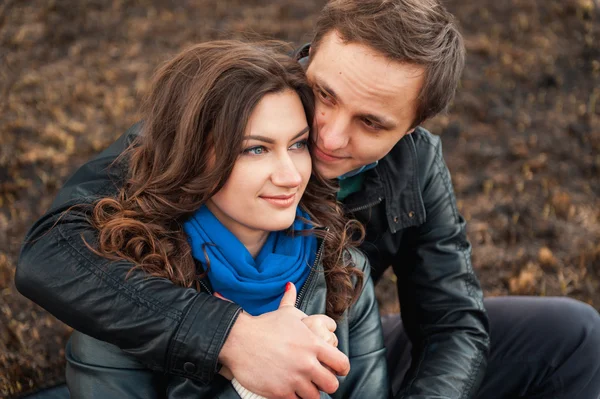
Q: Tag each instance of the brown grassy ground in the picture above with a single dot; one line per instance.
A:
(522, 140)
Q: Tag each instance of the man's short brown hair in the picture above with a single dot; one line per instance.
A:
(420, 32)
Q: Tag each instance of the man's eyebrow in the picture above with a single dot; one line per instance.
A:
(384, 122)
(323, 86)
(271, 141)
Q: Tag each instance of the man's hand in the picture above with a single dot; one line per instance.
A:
(276, 354)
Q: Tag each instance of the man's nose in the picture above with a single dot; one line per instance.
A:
(333, 135)
(285, 173)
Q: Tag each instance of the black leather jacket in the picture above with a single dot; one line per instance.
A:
(99, 370)
(409, 210)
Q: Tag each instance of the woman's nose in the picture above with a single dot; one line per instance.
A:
(286, 173)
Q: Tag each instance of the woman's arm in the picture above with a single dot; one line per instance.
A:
(368, 376)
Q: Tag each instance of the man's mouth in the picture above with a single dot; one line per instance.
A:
(325, 157)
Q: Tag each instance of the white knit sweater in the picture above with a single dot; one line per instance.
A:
(243, 392)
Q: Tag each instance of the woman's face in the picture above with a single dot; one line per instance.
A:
(271, 173)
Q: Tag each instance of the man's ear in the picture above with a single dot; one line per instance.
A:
(309, 51)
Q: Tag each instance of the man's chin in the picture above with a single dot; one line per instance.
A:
(327, 171)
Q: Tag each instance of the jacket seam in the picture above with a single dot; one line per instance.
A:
(439, 163)
(172, 314)
(417, 195)
(175, 351)
(225, 334)
(447, 183)
(467, 392)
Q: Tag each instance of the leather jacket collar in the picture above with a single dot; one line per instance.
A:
(403, 201)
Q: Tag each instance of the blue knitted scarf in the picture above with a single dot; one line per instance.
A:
(256, 284)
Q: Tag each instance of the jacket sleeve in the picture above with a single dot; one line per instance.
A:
(99, 370)
(366, 351)
(440, 296)
(167, 328)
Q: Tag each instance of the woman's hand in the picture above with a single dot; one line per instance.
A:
(278, 356)
(323, 327)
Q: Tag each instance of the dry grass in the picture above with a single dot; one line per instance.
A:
(522, 139)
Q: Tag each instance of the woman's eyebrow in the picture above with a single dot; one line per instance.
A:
(271, 141)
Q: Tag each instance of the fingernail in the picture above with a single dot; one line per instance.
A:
(288, 287)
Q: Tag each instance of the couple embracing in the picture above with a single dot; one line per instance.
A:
(226, 245)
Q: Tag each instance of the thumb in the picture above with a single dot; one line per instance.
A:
(289, 296)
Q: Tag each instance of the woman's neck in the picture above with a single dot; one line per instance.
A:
(253, 244)
(252, 239)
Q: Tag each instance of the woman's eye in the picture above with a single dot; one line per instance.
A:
(300, 145)
(258, 150)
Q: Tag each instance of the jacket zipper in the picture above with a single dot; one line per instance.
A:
(310, 276)
(205, 287)
(363, 207)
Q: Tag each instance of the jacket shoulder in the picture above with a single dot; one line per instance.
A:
(430, 158)
(360, 261)
(427, 144)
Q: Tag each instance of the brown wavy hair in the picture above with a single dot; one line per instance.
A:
(194, 119)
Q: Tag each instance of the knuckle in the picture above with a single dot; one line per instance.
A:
(305, 368)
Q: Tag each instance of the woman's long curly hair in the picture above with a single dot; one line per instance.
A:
(194, 119)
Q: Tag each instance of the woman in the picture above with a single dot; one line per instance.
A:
(220, 197)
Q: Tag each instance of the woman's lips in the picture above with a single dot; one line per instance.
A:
(281, 201)
(323, 156)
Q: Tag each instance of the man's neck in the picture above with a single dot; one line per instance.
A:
(357, 171)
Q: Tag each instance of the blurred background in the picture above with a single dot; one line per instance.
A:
(522, 139)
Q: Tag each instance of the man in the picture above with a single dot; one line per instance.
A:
(379, 68)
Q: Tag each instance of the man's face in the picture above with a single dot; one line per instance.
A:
(365, 103)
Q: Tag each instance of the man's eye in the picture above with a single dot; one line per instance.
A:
(323, 95)
(258, 150)
(371, 125)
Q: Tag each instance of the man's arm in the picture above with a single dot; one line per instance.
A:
(440, 296)
(167, 328)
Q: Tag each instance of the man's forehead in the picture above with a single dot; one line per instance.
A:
(334, 52)
(390, 109)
